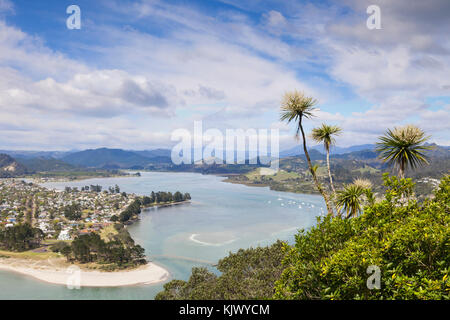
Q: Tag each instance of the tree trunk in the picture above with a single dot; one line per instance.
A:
(316, 181)
(401, 173)
(329, 173)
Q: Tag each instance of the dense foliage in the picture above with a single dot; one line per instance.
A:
(407, 241)
(130, 211)
(120, 250)
(162, 196)
(20, 237)
(134, 209)
(73, 211)
(246, 274)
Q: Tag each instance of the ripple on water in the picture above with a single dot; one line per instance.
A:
(215, 239)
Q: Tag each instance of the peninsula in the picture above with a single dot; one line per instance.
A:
(56, 235)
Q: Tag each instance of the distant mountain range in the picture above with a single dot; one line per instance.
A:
(105, 158)
(19, 154)
(363, 151)
(298, 150)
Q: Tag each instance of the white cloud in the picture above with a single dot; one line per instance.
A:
(102, 93)
(275, 19)
(396, 68)
(227, 69)
(249, 84)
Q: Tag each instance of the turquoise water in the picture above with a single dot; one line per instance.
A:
(222, 217)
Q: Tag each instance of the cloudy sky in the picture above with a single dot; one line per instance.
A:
(137, 70)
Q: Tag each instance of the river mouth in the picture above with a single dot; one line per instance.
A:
(221, 218)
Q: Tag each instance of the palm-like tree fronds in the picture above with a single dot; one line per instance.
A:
(295, 106)
(404, 147)
(315, 167)
(363, 183)
(350, 199)
(325, 134)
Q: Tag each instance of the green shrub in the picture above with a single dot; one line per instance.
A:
(246, 274)
(407, 241)
(59, 246)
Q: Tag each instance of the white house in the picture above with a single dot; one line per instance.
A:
(64, 235)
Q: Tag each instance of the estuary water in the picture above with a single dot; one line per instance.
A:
(222, 218)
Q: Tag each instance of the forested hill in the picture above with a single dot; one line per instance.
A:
(45, 164)
(9, 167)
(113, 158)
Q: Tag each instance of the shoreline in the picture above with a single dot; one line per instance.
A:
(156, 206)
(226, 179)
(148, 274)
(262, 185)
(57, 179)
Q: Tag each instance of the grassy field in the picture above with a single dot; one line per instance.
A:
(281, 175)
(35, 255)
(283, 180)
(29, 255)
(366, 168)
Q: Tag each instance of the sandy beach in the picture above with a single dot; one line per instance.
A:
(73, 276)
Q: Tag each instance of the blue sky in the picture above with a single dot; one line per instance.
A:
(137, 70)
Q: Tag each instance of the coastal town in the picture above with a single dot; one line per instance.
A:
(60, 214)
(85, 227)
